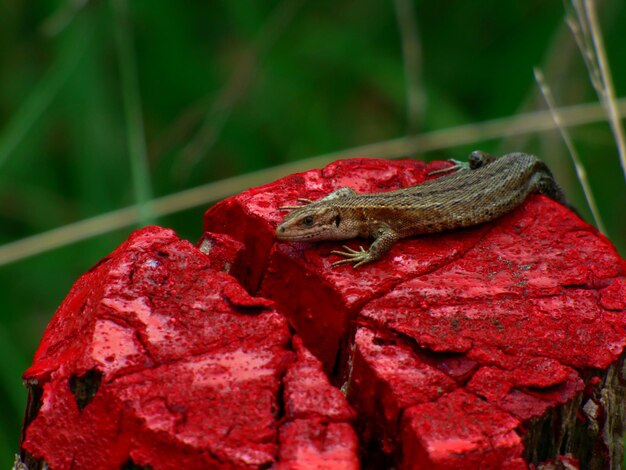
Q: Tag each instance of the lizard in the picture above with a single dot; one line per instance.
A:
(482, 189)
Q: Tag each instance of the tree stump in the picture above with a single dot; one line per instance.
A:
(498, 346)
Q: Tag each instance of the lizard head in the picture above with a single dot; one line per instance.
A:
(315, 222)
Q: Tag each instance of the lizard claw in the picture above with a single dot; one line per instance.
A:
(458, 165)
(359, 257)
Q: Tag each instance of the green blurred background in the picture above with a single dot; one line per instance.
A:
(228, 87)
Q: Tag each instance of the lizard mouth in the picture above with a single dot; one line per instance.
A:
(281, 234)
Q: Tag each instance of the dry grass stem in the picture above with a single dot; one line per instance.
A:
(580, 169)
(583, 22)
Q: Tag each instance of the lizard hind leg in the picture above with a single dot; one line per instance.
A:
(479, 158)
(457, 165)
(475, 160)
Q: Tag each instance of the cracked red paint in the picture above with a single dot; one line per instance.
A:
(516, 312)
(308, 393)
(316, 433)
(192, 368)
(450, 348)
(460, 431)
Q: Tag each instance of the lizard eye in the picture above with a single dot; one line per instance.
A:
(308, 220)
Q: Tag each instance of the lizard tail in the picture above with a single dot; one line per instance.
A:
(547, 185)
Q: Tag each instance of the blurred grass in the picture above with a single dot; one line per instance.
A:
(135, 137)
(227, 88)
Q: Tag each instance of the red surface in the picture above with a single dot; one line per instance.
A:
(564, 462)
(459, 431)
(516, 313)
(224, 253)
(308, 393)
(316, 444)
(450, 347)
(316, 434)
(192, 369)
(387, 377)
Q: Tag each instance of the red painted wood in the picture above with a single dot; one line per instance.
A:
(450, 349)
(192, 370)
(518, 315)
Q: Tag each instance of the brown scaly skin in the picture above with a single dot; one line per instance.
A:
(485, 188)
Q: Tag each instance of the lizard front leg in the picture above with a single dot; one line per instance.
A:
(385, 239)
(341, 192)
(302, 200)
